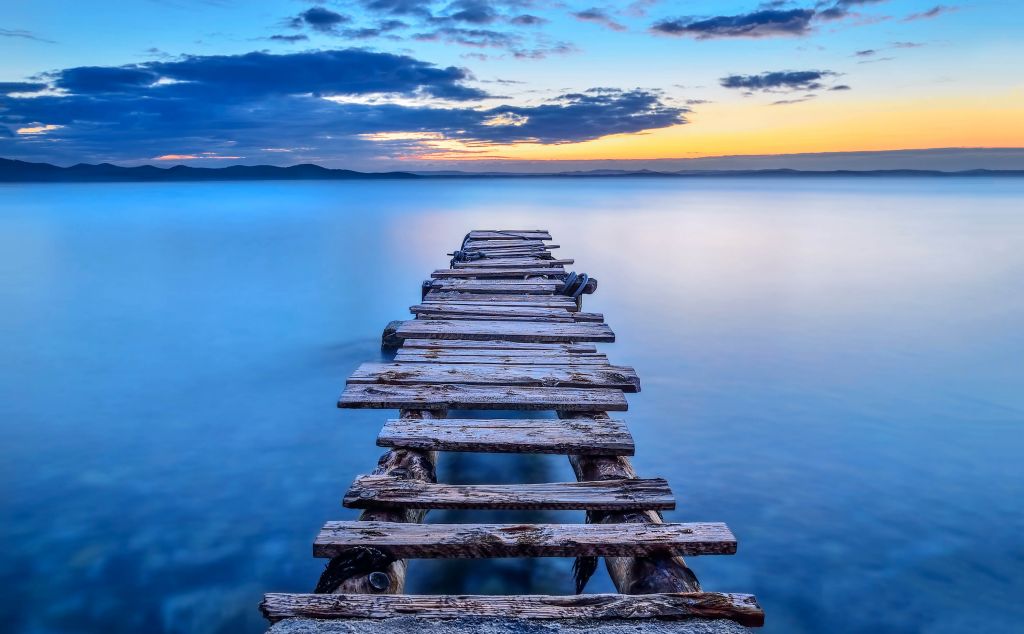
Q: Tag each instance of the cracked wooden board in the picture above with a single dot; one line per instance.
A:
(576, 436)
(618, 377)
(435, 397)
(430, 541)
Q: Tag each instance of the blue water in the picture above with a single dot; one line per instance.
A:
(833, 367)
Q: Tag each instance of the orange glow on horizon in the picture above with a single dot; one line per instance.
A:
(734, 129)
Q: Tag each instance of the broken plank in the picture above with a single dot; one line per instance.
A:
(433, 397)
(497, 344)
(508, 330)
(617, 377)
(430, 541)
(741, 608)
(381, 491)
(575, 436)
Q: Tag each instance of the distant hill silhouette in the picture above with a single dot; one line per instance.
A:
(14, 171)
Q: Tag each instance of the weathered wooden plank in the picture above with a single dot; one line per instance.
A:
(357, 571)
(500, 287)
(497, 344)
(512, 234)
(508, 330)
(473, 245)
(427, 541)
(493, 311)
(381, 491)
(503, 310)
(432, 397)
(511, 435)
(502, 273)
(514, 262)
(435, 315)
(741, 608)
(517, 357)
(511, 299)
(617, 377)
(657, 572)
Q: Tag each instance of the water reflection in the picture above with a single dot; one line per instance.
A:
(830, 366)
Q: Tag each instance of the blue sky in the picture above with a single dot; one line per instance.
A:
(385, 83)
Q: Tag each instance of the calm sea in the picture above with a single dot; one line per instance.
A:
(834, 367)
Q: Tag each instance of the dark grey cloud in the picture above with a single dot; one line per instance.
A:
(770, 19)
(480, 38)
(289, 38)
(868, 52)
(599, 16)
(934, 12)
(320, 19)
(238, 105)
(526, 19)
(472, 11)
(840, 87)
(764, 23)
(839, 9)
(343, 72)
(8, 87)
(779, 81)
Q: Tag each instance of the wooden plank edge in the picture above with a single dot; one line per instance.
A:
(741, 608)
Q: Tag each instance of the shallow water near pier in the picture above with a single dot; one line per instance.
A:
(834, 367)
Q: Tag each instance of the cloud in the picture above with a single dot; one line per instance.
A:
(786, 102)
(23, 34)
(526, 19)
(763, 23)
(842, 8)
(840, 87)
(779, 81)
(345, 104)
(598, 16)
(472, 11)
(868, 52)
(934, 12)
(9, 87)
(289, 38)
(480, 38)
(320, 19)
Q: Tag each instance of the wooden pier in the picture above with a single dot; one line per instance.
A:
(503, 329)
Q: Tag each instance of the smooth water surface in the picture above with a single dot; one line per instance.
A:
(834, 367)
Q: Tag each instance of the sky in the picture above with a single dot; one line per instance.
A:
(462, 84)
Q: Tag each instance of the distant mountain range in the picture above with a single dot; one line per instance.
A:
(14, 171)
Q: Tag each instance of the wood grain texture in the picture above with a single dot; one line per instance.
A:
(500, 273)
(514, 262)
(499, 287)
(658, 572)
(509, 234)
(500, 358)
(507, 330)
(577, 436)
(361, 570)
(617, 377)
(496, 344)
(495, 311)
(741, 608)
(510, 299)
(451, 541)
(382, 491)
(434, 397)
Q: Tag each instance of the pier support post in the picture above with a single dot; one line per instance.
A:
(631, 575)
(367, 570)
